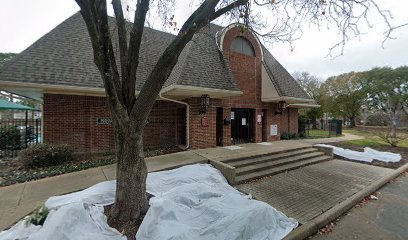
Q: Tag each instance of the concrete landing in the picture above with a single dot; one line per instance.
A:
(248, 150)
(307, 192)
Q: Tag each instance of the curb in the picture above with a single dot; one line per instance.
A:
(332, 214)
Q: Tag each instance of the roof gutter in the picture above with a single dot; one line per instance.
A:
(187, 117)
(289, 99)
(303, 105)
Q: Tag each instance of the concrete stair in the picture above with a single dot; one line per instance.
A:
(249, 168)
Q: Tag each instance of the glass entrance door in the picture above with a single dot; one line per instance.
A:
(240, 129)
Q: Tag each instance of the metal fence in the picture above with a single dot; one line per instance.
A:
(17, 134)
(320, 129)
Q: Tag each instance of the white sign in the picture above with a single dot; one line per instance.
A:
(232, 116)
(274, 130)
(244, 121)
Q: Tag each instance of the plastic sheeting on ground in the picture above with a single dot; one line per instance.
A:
(368, 155)
(196, 202)
(191, 202)
(102, 193)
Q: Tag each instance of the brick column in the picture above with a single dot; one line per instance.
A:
(202, 136)
(258, 128)
(275, 119)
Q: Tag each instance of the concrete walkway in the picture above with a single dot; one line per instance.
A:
(345, 137)
(19, 200)
(307, 192)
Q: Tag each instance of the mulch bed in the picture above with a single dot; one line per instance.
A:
(400, 150)
(12, 171)
(130, 229)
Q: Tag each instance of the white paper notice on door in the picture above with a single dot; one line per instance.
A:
(244, 121)
(274, 130)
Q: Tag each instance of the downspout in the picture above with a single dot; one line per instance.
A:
(288, 120)
(187, 117)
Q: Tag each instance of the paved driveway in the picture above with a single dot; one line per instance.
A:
(307, 192)
(385, 218)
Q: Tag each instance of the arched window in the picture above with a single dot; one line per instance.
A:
(241, 45)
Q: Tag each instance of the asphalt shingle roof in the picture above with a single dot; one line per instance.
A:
(64, 56)
(284, 83)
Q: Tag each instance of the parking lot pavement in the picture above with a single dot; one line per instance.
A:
(385, 218)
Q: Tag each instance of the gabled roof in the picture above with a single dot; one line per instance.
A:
(284, 83)
(64, 58)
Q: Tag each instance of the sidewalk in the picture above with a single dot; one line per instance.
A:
(345, 137)
(19, 200)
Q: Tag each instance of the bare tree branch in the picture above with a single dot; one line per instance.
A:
(129, 77)
(96, 19)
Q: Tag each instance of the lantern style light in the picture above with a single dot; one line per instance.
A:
(205, 103)
(281, 107)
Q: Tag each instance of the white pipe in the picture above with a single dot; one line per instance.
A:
(187, 117)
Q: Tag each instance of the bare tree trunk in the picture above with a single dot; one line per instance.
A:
(353, 122)
(393, 130)
(130, 200)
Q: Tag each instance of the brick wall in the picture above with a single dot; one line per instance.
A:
(72, 120)
(202, 136)
(247, 72)
(289, 123)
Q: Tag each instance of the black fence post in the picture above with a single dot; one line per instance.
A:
(36, 131)
(26, 126)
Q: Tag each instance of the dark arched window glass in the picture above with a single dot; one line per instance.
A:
(241, 45)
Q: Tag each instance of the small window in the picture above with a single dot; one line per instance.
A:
(241, 45)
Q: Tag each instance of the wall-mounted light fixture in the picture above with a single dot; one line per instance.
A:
(205, 103)
(281, 107)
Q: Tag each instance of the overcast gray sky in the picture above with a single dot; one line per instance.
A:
(24, 21)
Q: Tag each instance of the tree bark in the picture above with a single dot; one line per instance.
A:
(393, 132)
(129, 113)
(353, 122)
(130, 200)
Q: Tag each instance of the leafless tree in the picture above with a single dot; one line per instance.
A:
(275, 20)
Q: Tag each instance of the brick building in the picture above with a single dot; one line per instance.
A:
(226, 88)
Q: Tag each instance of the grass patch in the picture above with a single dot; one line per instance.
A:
(317, 133)
(370, 139)
(365, 143)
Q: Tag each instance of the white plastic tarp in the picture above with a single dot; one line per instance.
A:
(191, 202)
(196, 202)
(102, 193)
(368, 155)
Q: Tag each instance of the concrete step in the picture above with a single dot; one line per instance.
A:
(237, 159)
(271, 157)
(259, 166)
(280, 169)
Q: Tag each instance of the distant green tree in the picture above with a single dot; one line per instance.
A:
(346, 96)
(312, 86)
(4, 57)
(387, 91)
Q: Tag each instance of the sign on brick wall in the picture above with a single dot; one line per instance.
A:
(204, 121)
(104, 121)
(274, 130)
